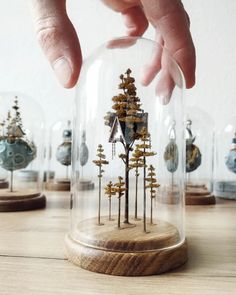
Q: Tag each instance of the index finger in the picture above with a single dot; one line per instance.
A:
(169, 17)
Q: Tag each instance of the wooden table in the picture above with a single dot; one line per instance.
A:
(32, 256)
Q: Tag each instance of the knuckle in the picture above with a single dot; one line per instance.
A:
(48, 33)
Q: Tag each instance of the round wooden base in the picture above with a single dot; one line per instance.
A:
(21, 201)
(85, 185)
(199, 196)
(58, 185)
(127, 251)
(225, 189)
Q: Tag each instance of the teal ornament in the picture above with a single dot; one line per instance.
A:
(171, 157)
(17, 154)
(83, 151)
(230, 159)
(63, 153)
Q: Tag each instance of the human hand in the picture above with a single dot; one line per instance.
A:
(60, 43)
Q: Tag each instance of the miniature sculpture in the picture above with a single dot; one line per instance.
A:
(193, 154)
(84, 184)
(171, 158)
(152, 185)
(84, 152)
(63, 153)
(123, 227)
(100, 162)
(128, 124)
(59, 157)
(16, 151)
(171, 155)
(230, 159)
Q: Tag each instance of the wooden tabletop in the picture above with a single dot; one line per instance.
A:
(32, 256)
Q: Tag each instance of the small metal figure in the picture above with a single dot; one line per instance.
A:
(171, 154)
(83, 151)
(193, 154)
(230, 159)
(63, 153)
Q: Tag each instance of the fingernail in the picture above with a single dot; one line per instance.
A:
(62, 70)
(165, 98)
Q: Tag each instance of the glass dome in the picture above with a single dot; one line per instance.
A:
(129, 103)
(21, 152)
(59, 156)
(225, 164)
(199, 134)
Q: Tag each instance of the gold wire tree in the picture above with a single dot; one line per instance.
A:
(100, 162)
(126, 121)
(136, 163)
(152, 184)
(144, 150)
(119, 189)
(110, 191)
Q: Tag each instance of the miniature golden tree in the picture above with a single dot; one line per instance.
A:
(100, 162)
(144, 150)
(120, 189)
(136, 163)
(110, 191)
(129, 117)
(152, 184)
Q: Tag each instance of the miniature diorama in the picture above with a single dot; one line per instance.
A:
(59, 157)
(199, 159)
(123, 226)
(225, 164)
(17, 152)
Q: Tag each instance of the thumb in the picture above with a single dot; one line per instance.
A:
(58, 39)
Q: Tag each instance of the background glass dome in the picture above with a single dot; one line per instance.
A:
(129, 103)
(225, 156)
(199, 134)
(21, 152)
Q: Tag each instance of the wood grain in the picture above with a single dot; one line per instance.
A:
(32, 255)
(125, 263)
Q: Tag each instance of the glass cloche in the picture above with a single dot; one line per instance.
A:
(59, 156)
(129, 104)
(225, 165)
(21, 152)
(199, 135)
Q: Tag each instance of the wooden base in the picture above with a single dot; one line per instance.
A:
(225, 189)
(58, 185)
(4, 184)
(85, 185)
(127, 251)
(21, 201)
(199, 196)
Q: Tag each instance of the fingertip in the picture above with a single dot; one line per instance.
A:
(135, 21)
